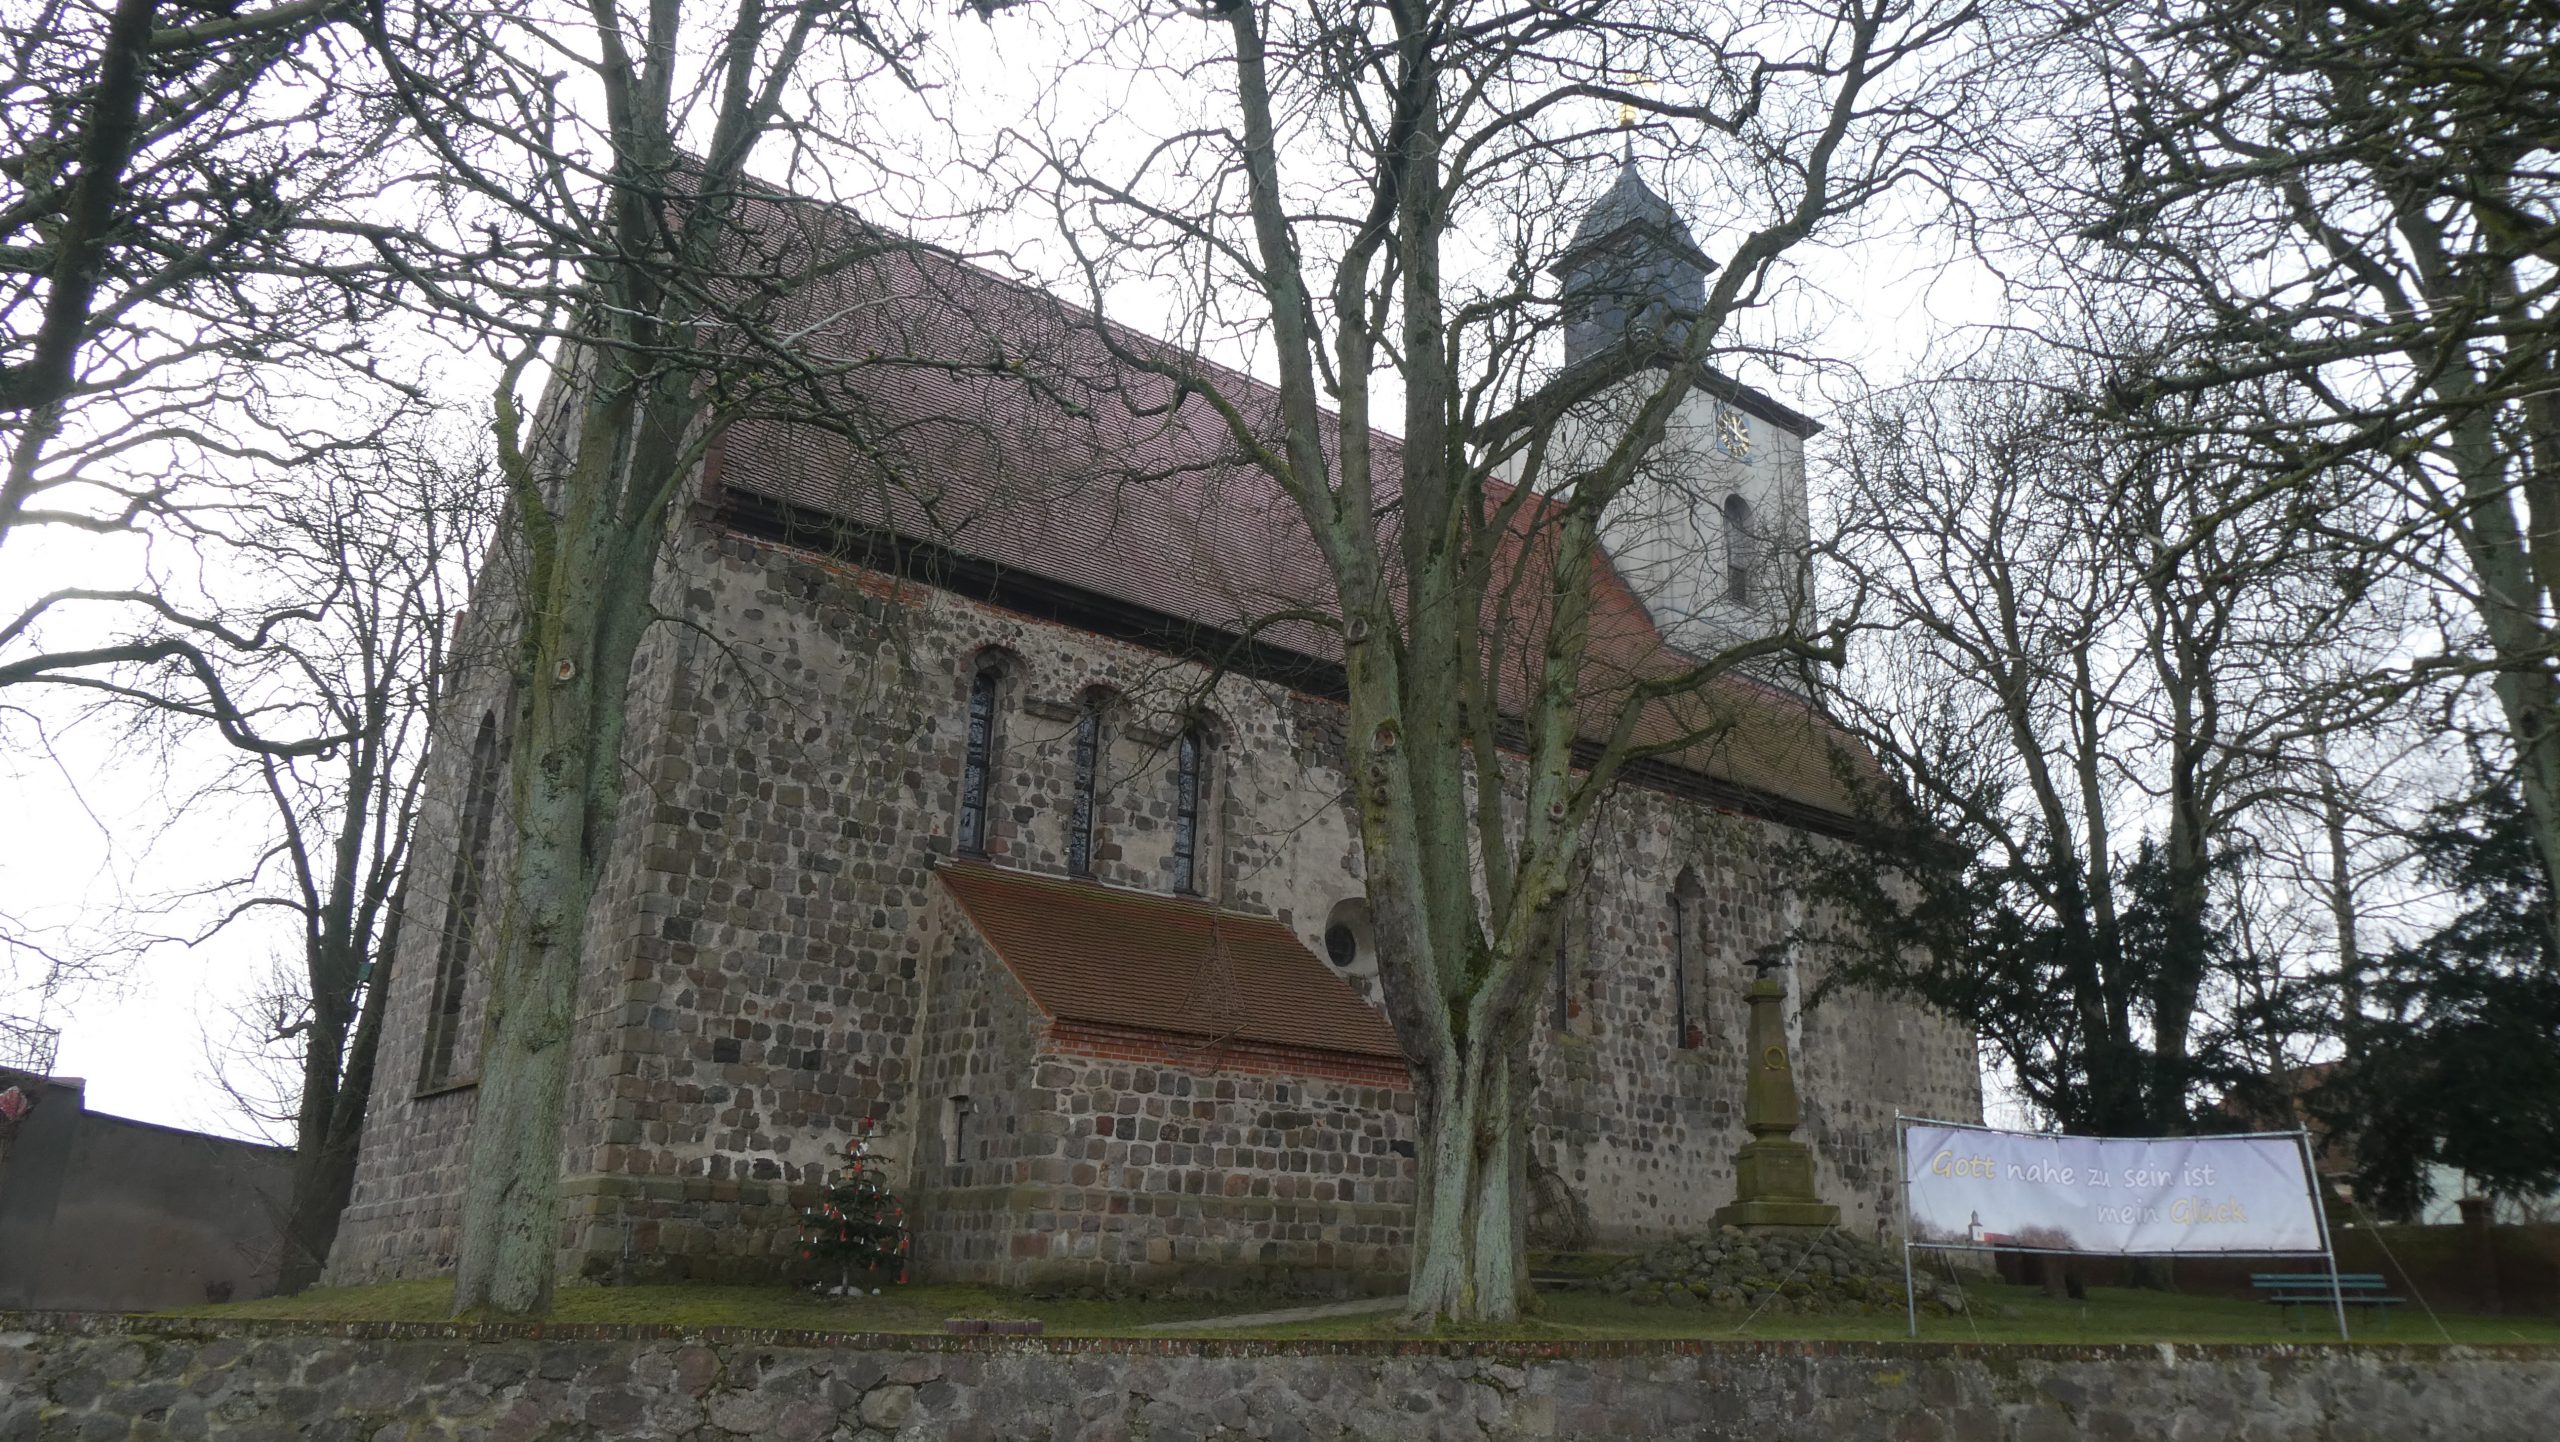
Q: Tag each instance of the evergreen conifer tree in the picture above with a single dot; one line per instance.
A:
(2454, 1058)
(860, 1229)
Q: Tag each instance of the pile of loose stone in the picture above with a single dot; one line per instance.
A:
(1737, 1271)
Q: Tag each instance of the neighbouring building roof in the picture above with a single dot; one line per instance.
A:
(1003, 426)
(1100, 955)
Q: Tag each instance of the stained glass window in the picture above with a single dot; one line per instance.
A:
(1088, 767)
(1187, 763)
(976, 764)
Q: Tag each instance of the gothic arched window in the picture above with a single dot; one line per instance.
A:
(1741, 551)
(1688, 962)
(1088, 781)
(462, 907)
(1564, 973)
(978, 762)
(1190, 773)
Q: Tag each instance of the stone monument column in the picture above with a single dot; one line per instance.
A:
(1773, 1172)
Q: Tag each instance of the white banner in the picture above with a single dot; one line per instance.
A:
(1975, 1187)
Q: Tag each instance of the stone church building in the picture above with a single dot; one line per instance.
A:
(974, 793)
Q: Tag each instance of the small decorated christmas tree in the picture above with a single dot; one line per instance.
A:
(860, 1230)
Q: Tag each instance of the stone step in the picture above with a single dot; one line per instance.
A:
(1572, 1271)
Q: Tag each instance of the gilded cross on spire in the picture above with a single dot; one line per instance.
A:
(1628, 115)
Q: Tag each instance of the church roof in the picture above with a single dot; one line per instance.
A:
(1103, 956)
(1039, 443)
(1630, 209)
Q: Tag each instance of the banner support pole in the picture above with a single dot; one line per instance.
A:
(2328, 1249)
(1902, 1164)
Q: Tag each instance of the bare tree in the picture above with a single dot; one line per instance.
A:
(594, 222)
(609, 228)
(2359, 201)
(357, 566)
(176, 314)
(390, 545)
(1382, 184)
(2099, 658)
(162, 278)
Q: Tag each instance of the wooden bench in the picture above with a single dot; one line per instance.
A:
(2291, 1290)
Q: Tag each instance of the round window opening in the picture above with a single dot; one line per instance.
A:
(1341, 946)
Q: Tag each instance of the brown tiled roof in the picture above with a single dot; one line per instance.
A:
(1099, 955)
(1025, 444)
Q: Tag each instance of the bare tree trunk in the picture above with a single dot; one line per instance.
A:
(662, 297)
(2509, 600)
(2342, 909)
(512, 1197)
(564, 813)
(589, 573)
(2179, 983)
(1467, 1249)
(315, 1198)
(324, 1160)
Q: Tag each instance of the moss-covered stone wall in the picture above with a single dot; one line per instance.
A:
(70, 1376)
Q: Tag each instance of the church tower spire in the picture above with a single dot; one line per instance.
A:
(1712, 531)
(1632, 272)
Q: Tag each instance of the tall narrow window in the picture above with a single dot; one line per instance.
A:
(1088, 776)
(1741, 551)
(1190, 759)
(977, 763)
(1688, 913)
(462, 907)
(1564, 997)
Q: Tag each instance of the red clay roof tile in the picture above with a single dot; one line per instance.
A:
(1077, 468)
(1097, 954)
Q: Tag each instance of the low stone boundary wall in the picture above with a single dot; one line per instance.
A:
(95, 1377)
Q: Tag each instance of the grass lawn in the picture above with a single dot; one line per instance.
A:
(2000, 1314)
(896, 1309)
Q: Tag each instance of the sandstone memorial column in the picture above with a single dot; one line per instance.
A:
(1773, 1172)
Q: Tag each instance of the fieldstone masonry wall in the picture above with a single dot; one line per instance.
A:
(1051, 1155)
(98, 1378)
(762, 971)
(1195, 1172)
(979, 1122)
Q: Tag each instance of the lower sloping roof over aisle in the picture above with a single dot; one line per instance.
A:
(1101, 955)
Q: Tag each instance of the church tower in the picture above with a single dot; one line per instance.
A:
(1631, 271)
(1713, 534)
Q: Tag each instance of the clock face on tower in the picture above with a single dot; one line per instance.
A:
(1733, 432)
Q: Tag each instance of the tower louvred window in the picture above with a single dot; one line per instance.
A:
(1741, 550)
